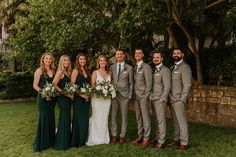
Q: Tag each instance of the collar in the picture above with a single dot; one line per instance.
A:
(122, 64)
(179, 62)
(139, 63)
(158, 66)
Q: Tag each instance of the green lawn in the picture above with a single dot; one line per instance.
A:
(18, 124)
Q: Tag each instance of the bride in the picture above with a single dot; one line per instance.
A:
(98, 122)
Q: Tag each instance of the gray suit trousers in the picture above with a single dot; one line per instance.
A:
(142, 117)
(180, 122)
(161, 120)
(122, 103)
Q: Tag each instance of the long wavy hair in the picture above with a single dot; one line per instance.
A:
(98, 60)
(78, 66)
(42, 65)
(61, 67)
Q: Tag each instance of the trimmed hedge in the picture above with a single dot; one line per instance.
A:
(16, 85)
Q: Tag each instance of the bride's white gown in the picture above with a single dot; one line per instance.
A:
(98, 122)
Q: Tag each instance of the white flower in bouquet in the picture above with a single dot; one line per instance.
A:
(48, 91)
(86, 89)
(70, 88)
(98, 87)
(105, 90)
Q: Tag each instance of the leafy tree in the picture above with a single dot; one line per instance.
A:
(103, 25)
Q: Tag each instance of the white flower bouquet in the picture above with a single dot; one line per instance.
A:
(70, 89)
(86, 89)
(48, 91)
(105, 90)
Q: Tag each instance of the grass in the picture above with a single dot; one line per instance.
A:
(18, 125)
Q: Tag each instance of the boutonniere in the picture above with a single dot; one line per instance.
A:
(124, 69)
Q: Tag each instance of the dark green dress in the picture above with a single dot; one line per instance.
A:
(46, 124)
(62, 141)
(80, 116)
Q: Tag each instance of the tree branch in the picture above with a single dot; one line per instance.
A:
(213, 4)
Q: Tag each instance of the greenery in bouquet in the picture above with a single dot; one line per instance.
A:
(48, 91)
(104, 89)
(70, 89)
(87, 89)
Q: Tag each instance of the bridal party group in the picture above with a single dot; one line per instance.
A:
(144, 84)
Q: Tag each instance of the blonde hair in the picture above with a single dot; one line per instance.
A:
(42, 65)
(98, 60)
(61, 67)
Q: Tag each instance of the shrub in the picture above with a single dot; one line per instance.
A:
(219, 66)
(16, 85)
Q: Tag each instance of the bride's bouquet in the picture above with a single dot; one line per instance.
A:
(48, 91)
(105, 90)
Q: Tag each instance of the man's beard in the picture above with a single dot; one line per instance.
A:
(177, 58)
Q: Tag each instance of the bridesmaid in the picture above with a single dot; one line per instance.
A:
(79, 76)
(46, 124)
(62, 76)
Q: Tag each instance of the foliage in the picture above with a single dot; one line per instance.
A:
(218, 68)
(18, 122)
(16, 85)
(100, 26)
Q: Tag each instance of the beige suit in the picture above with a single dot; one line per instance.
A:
(142, 88)
(159, 96)
(124, 83)
(181, 84)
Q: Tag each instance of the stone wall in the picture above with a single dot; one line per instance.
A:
(212, 105)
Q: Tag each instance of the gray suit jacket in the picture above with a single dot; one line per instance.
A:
(181, 82)
(125, 82)
(161, 84)
(143, 81)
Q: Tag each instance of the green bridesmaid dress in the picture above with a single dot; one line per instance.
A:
(63, 134)
(45, 136)
(80, 116)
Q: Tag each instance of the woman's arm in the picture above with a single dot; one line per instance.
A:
(93, 79)
(74, 75)
(56, 79)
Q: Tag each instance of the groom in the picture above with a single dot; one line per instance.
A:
(122, 78)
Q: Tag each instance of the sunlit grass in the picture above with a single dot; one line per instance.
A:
(18, 125)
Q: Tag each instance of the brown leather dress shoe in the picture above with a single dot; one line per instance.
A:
(122, 140)
(137, 140)
(113, 139)
(145, 143)
(160, 146)
(182, 148)
(173, 143)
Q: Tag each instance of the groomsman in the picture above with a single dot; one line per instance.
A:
(159, 96)
(181, 84)
(122, 78)
(142, 89)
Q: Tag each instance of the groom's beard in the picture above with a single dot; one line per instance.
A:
(177, 58)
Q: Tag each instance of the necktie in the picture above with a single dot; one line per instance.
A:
(119, 70)
(174, 67)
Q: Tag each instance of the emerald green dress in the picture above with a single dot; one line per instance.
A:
(45, 136)
(62, 141)
(80, 116)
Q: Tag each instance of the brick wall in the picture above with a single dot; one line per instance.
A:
(213, 105)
